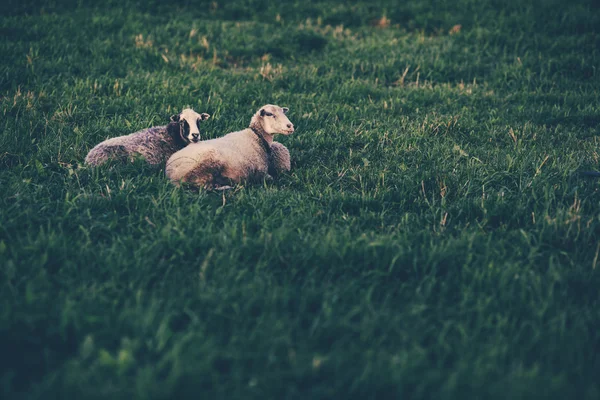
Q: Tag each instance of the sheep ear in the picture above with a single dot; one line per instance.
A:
(285, 110)
(175, 118)
(262, 112)
(204, 116)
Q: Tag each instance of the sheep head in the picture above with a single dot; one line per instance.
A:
(185, 126)
(273, 120)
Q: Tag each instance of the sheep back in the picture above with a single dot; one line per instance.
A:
(154, 144)
(235, 157)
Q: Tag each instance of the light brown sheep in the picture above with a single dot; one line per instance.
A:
(246, 155)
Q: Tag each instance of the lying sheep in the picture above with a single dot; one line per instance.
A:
(246, 155)
(154, 144)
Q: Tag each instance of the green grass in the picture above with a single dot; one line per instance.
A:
(433, 239)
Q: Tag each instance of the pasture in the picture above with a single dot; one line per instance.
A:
(434, 238)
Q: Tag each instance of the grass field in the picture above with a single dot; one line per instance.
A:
(433, 239)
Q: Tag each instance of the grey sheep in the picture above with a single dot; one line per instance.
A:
(154, 144)
(246, 155)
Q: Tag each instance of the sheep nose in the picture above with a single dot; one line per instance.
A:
(195, 135)
(289, 125)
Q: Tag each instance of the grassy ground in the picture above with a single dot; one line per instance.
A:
(432, 240)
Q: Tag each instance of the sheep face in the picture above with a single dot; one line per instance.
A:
(275, 121)
(187, 125)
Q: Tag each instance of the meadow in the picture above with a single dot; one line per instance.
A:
(434, 238)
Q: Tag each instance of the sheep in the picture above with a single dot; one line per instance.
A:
(154, 144)
(246, 155)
